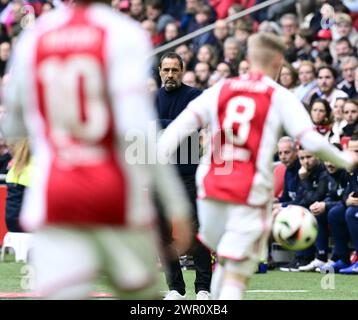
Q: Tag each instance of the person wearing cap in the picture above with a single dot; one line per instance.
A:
(324, 38)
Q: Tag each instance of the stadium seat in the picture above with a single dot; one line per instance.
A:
(279, 177)
(20, 242)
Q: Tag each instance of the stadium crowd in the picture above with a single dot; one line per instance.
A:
(321, 69)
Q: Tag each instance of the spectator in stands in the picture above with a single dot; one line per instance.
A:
(202, 72)
(171, 100)
(343, 28)
(17, 180)
(323, 58)
(269, 26)
(189, 79)
(171, 32)
(324, 38)
(244, 67)
(351, 202)
(223, 69)
(320, 112)
(341, 48)
(288, 76)
(243, 29)
(207, 54)
(289, 24)
(220, 33)
(232, 53)
(187, 22)
(338, 121)
(326, 81)
(350, 115)
(303, 45)
(307, 80)
(202, 19)
(348, 67)
(137, 10)
(154, 12)
(156, 38)
(175, 8)
(184, 51)
(334, 206)
(222, 7)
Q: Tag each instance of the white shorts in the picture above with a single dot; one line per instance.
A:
(235, 232)
(65, 257)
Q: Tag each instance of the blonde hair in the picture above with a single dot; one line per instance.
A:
(21, 157)
(264, 45)
(307, 63)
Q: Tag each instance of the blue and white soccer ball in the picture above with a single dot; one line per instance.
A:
(295, 228)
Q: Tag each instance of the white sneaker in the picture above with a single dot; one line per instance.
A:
(174, 295)
(203, 295)
(312, 265)
(327, 265)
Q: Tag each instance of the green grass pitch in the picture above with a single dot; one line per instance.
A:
(274, 285)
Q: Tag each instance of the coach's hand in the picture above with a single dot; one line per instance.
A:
(183, 234)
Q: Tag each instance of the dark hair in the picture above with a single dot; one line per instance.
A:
(326, 57)
(156, 4)
(353, 101)
(326, 105)
(331, 69)
(306, 34)
(344, 39)
(172, 55)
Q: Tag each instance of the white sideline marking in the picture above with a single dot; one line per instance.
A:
(273, 291)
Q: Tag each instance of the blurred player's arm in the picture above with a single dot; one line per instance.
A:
(13, 124)
(302, 129)
(135, 116)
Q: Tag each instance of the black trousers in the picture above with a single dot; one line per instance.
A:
(201, 255)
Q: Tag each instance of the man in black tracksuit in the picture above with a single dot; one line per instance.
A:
(171, 99)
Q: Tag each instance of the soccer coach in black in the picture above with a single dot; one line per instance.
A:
(171, 99)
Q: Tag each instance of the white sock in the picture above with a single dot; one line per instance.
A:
(216, 281)
(232, 290)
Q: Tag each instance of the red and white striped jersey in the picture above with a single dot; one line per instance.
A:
(78, 87)
(245, 116)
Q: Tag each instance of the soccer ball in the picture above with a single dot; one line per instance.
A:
(295, 228)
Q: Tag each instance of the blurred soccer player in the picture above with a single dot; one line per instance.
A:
(234, 179)
(78, 88)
